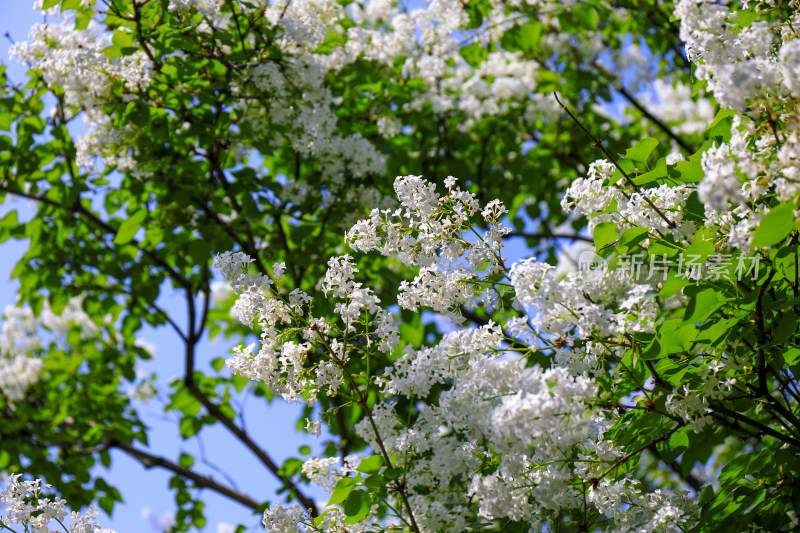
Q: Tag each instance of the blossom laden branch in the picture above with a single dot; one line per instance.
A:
(597, 143)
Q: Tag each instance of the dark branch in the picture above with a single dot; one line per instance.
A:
(215, 411)
(570, 236)
(149, 460)
(599, 144)
(652, 118)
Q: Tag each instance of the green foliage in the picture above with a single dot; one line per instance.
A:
(775, 226)
(215, 171)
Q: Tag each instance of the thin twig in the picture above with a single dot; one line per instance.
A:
(599, 144)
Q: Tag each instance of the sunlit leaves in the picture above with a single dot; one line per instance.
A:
(775, 226)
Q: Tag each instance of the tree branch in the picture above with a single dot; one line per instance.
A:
(652, 118)
(599, 144)
(77, 208)
(215, 411)
(149, 460)
(574, 237)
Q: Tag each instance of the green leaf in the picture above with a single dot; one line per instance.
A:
(698, 85)
(342, 490)
(791, 356)
(129, 227)
(394, 473)
(689, 171)
(371, 465)
(529, 35)
(318, 519)
(413, 331)
(672, 285)
(655, 176)
(604, 233)
(774, 226)
(631, 237)
(702, 303)
(375, 481)
(746, 17)
(239, 382)
(641, 150)
(721, 126)
(106, 503)
(525, 37)
(218, 363)
(82, 19)
(679, 439)
(186, 460)
(356, 507)
(474, 54)
(189, 426)
(476, 11)
(291, 466)
(47, 4)
(5, 459)
(706, 495)
(123, 38)
(6, 119)
(8, 223)
(698, 251)
(787, 327)
(182, 400)
(783, 262)
(673, 337)
(678, 443)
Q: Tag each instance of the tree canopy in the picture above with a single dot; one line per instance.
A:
(359, 174)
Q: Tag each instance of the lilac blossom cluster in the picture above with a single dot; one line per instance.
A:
(26, 505)
(535, 424)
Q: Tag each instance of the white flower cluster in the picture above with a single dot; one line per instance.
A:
(634, 510)
(739, 175)
(309, 124)
(508, 436)
(690, 406)
(740, 66)
(500, 84)
(21, 338)
(302, 110)
(74, 61)
(593, 195)
(280, 519)
(416, 371)
(26, 505)
(431, 231)
(289, 334)
(208, 8)
(326, 472)
(716, 382)
(586, 304)
(673, 104)
(18, 371)
(312, 123)
(536, 420)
